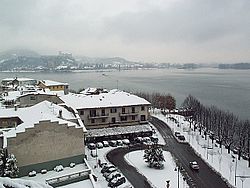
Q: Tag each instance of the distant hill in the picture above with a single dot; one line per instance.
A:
(108, 60)
(18, 52)
(28, 60)
(241, 66)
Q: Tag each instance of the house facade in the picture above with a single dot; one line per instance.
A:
(31, 99)
(54, 86)
(19, 81)
(114, 116)
(46, 145)
(43, 136)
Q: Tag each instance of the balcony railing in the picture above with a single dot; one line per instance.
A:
(129, 113)
(96, 116)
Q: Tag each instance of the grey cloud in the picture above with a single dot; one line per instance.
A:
(140, 29)
(191, 21)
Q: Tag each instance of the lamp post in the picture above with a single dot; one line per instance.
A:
(235, 158)
(177, 168)
(178, 180)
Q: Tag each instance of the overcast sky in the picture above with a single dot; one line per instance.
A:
(176, 31)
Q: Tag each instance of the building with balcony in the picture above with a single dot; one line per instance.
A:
(109, 109)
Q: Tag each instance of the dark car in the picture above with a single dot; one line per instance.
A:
(91, 146)
(113, 143)
(181, 137)
(194, 165)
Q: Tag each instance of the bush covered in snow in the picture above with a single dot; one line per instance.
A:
(154, 156)
(8, 165)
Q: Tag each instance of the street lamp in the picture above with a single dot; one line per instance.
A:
(235, 158)
(177, 168)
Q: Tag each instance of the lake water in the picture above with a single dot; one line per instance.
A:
(227, 89)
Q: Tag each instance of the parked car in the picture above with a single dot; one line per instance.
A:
(113, 143)
(117, 182)
(181, 137)
(194, 165)
(146, 140)
(126, 141)
(91, 146)
(106, 167)
(99, 145)
(177, 134)
(105, 143)
(109, 171)
(113, 175)
(138, 139)
(119, 142)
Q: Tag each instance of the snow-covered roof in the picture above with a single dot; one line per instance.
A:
(113, 98)
(91, 90)
(39, 112)
(21, 183)
(119, 130)
(19, 79)
(52, 83)
(27, 90)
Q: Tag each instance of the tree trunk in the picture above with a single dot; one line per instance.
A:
(228, 149)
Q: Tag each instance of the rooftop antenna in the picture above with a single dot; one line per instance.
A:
(117, 84)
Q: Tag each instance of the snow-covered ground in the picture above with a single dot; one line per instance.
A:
(41, 178)
(217, 158)
(93, 162)
(157, 177)
(86, 184)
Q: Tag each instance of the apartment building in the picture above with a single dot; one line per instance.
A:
(109, 109)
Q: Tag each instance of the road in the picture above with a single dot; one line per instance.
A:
(206, 177)
(116, 156)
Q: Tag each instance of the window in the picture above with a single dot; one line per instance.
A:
(124, 118)
(113, 120)
(103, 112)
(123, 110)
(92, 121)
(142, 108)
(32, 98)
(133, 117)
(103, 120)
(133, 109)
(113, 110)
(81, 112)
(92, 113)
(143, 118)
